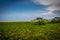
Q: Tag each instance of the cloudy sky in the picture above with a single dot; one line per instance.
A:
(28, 9)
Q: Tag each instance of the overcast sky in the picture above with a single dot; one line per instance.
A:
(29, 9)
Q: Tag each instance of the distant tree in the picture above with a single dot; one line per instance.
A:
(40, 21)
(38, 18)
(55, 20)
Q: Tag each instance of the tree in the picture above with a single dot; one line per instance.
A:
(40, 21)
(55, 20)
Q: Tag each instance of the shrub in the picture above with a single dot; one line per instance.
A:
(41, 22)
(55, 21)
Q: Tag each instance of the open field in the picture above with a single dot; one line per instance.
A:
(29, 31)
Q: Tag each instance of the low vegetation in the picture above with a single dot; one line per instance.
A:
(40, 30)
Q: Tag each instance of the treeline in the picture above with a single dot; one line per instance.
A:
(42, 21)
(55, 20)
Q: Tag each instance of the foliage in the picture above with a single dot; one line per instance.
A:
(41, 21)
(55, 21)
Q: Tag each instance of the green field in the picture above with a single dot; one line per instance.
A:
(29, 31)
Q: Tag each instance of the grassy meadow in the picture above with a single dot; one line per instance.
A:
(29, 31)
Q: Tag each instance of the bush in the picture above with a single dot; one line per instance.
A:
(41, 22)
(55, 21)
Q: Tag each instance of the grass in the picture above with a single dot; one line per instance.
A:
(29, 31)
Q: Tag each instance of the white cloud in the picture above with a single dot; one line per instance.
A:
(46, 2)
(48, 13)
(53, 8)
(52, 5)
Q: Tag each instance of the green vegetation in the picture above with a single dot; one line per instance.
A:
(41, 21)
(55, 20)
(29, 31)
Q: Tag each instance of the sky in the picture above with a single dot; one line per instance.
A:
(11, 10)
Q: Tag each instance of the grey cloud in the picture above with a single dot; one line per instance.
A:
(54, 5)
(46, 2)
(57, 12)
